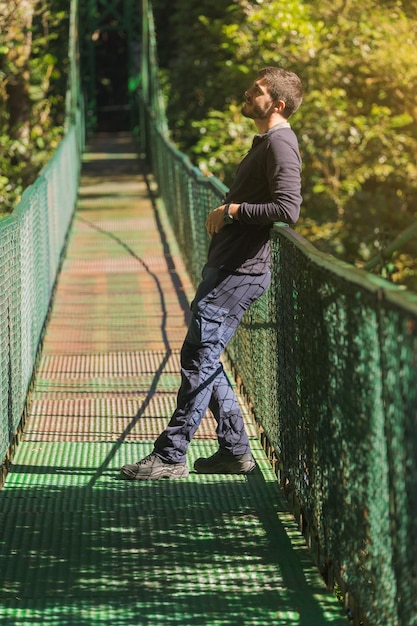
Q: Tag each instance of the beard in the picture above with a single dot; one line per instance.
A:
(254, 112)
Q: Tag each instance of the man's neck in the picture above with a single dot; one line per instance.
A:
(266, 124)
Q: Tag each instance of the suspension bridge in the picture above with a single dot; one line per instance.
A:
(99, 263)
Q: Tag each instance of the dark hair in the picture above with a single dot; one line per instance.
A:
(285, 86)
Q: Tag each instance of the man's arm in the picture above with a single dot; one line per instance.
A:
(281, 188)
(283, 173)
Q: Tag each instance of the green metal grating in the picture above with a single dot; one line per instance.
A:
(80, 546)
(207, 550)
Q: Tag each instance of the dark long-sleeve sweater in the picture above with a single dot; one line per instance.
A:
(268, 188)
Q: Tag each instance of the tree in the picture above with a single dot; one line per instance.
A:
(17, 45)
(33, 62)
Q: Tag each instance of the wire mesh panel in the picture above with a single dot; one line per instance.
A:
(331, 420)
(62, 175)
(10, 330)
(188, 196)
(31, 243)
(398, 332)
(34, 273)
(335, 390)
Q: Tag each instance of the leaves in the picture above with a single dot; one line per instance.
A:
(33, 66)
(357, 124)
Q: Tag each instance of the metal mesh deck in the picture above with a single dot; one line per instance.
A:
(79, 545)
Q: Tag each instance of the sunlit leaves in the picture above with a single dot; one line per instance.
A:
(33, 65)
(357, 124)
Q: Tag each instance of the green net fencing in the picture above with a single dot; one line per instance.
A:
(32, 239)
(31, 243)
(328, 362)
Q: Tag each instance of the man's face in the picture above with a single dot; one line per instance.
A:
(258, 103)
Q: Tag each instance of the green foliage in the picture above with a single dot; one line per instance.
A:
(33, 74)
(356, 126)
(197, 62)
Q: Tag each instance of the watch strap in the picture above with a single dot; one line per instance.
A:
(227, 217)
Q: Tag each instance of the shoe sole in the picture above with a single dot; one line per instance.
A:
(223, 469)
(183, 473)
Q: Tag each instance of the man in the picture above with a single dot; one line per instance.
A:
(266, 189)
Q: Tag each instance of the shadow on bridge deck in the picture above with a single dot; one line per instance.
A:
(81, 546)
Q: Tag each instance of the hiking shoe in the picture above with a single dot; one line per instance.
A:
(152, 467)
(223, 463)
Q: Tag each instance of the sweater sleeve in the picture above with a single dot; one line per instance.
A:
(283, 179)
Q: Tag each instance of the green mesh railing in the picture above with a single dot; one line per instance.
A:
(328, 362)
(31, 243)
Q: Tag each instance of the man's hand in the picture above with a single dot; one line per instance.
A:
(215, 220)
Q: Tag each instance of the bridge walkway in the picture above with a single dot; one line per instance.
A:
(79, 545)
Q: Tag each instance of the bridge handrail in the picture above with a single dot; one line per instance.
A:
(32, 240)
(31, 243)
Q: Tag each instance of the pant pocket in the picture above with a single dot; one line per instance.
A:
(211, 321)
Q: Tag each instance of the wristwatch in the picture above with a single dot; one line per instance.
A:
(228, 219)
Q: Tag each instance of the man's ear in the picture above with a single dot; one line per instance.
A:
(279, 106)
